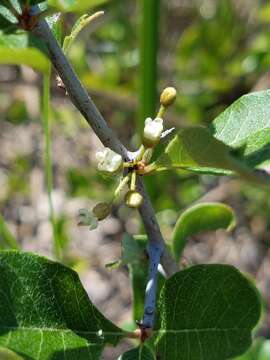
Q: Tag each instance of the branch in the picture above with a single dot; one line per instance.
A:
(86, 106)
(157, 253)
(153, 231)
(77, 92)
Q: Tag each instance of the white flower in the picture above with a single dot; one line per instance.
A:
(108, 160)
(152, 131)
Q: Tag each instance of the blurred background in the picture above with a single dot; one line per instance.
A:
(212, 51)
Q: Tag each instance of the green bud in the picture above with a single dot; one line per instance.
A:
(102, 210)
(133, 199)
(168, 96)
(147, 156)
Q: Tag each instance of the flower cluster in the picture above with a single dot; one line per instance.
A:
(112, 163)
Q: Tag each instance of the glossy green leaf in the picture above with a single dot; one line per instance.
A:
(140, 353)
(245, 126)
(198, 218)
(206, 312)
(46, 314)
(28, 56)
(196, 149)
(6, 19)
(75, 5)
(237, 140)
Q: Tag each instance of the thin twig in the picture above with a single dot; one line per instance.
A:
(77, 92)
(157, 253)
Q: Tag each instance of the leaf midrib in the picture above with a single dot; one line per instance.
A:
(77, 332)
(172, 331)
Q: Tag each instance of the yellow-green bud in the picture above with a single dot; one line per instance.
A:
(101, 210)
(133, 199)
(168, 96)
(147, 156)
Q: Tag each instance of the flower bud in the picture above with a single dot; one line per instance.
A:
(109, 161)
(101, 210)
(147, 156)
(133, 199)
(152, 132)
(168, 96)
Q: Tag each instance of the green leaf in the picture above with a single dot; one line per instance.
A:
(28, 56)
(138, 277)
(7, 240)
(87, 218)
(6, 19)
(140, 353)
(75, 5)
(131, 251)
(196, 149)
(31, 2)
(22, 48)
(55, 23)
(206, 312)
(245, 126)
(238, 140)
(17, 40)
(201, 217)
(259, 351)
(79, 25)
(46, 314)
(6, 354)
(133, 254)
(264, 351)
(4, 23)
